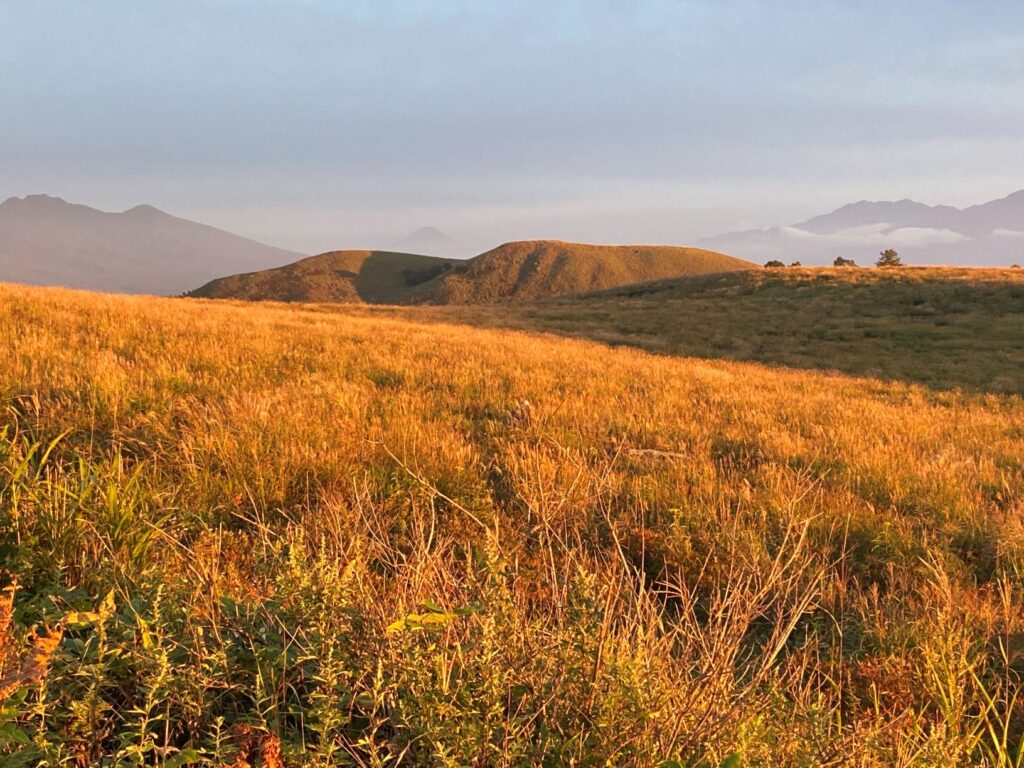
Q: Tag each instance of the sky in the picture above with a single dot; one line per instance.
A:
(315, 125)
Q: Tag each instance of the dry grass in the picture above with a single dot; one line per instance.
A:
(585, 556)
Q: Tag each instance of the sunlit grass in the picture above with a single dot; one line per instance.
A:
(584, 555)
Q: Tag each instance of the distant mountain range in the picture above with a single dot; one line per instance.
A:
(518, 271)
(991, 234)
(47, 241)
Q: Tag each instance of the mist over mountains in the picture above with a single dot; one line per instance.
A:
(990, 234)
(47, 241)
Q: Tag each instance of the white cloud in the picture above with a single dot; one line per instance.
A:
(920, 236)
(877, 234)
(1007, 233)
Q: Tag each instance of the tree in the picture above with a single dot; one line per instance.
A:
(841, 262)
(888, 258)
(796, 264)
(774, 263)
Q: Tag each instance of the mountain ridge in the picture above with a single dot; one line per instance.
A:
(46, 240)
(990, 233)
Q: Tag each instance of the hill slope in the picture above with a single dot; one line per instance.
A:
(48, 241)
(377, 277)
(538, 269)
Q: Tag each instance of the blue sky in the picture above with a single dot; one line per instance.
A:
(316, 125)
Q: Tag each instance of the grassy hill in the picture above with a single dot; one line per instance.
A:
(372, 536)
(337, 276)
(944, 327)
(514, 271)
(538, 269)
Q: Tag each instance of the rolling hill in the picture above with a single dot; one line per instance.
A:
(48, 241)
(538, 269)
(376, 277)
(517, 271)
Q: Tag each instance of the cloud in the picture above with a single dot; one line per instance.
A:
(1007, 233)
(919, 237)
(878, 234)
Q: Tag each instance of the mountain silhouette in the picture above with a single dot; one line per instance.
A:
(427, 240)
(47, 241)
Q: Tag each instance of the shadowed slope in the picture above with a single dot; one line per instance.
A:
(378, 277)
(940, 326)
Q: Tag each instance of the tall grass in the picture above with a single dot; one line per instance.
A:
(258, 535)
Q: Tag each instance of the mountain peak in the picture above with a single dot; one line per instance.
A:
(36, 202)
(144, 210)
(425, 240)
(432, 231)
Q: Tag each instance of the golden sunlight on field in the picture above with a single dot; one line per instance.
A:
(379, 538)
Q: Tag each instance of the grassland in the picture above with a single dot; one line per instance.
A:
(310, 536)
(943, 327)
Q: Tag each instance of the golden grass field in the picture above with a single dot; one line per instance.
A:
(270, 535)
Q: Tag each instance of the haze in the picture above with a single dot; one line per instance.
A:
(315, 125)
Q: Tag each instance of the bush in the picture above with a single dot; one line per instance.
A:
(841, 262)
(774, 264)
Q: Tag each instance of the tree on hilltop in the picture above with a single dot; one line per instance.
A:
(774, 264)
(841, 262)
(888, 258)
